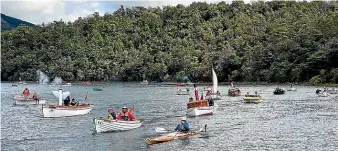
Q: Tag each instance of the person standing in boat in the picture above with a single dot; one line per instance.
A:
(125, 115)
(35, 97)
(183, 126)
(111, 114)
(66, 101)
(26, 92)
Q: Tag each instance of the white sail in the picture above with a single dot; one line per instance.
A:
(214, 81)
(64, 94)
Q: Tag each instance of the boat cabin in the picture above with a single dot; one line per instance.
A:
(194, 104)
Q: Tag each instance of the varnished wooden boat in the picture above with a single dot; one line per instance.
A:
(170, 137)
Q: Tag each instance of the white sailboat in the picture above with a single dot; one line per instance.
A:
(61, 110)
(215, 93)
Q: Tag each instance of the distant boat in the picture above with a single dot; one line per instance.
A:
(256, 98)
(180, 84)
(145, 82)
(234, 92)
(14, 85)
(67, 84)
(97, 89)
(216, 95)
(86, 82)
(292, 89)
(332, 91)
(279, 91)
(183, 92)
(321, 93)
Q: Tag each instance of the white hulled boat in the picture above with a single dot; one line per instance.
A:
(144, 82)
(105, 125)
(199, 107)
(62, 110)
(25, 100)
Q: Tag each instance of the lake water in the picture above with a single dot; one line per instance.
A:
(294, 121)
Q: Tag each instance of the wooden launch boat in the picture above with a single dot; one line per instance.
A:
(199, 107)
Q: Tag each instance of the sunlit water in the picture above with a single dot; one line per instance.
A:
(294, 121)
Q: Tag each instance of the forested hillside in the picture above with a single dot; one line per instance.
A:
(272, 41)
(9, 23)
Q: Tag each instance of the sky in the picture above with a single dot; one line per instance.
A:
(38, 11)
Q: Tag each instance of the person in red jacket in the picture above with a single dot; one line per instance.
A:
(26, 92)
(125, 115)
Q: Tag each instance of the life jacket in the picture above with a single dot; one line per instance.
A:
(125, 116)
(26, 92)
(110, 116)
(73, 103)
(182, 127)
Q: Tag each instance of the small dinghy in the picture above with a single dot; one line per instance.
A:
(97, 89)
(253, 98)
(234, 92)
(61, 110)
(26, 100)
(105, 125)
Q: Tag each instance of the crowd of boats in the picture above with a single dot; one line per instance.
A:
(202, 104)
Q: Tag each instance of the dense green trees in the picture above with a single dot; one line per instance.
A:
(273, 41)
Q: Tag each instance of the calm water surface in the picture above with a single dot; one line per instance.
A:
(294, 121)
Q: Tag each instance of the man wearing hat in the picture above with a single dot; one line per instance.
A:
(183, 126)
(125, 115)
(111, 114)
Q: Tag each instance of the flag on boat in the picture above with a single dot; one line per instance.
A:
(132, 109)
(196, 92)
(86, 97)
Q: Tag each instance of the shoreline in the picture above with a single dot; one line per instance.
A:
(200, 83)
